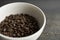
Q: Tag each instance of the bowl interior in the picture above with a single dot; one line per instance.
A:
(18, 8)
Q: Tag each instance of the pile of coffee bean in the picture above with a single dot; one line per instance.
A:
(19, 25)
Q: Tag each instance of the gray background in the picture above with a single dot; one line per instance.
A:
(51, 9)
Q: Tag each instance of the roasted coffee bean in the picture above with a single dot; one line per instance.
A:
(14, 35)
(18, 34)
(19, 25)
(4, 29)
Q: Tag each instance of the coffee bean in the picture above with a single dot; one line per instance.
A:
(14, 24)
(18, 34)
(10, 30)
(19, 25)
(14, 35)
(5, 33)
(4, 29)
(18, 20)
(15, 28)
(26, 28)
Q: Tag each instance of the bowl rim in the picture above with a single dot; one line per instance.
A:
(44, 23)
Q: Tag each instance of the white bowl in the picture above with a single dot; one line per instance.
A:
(22, 7)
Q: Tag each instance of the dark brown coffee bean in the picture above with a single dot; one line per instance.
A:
(5, 33)
(21, 30)
(15, 28)
(10, 30)
(18, 20)
(14, 35)
(4, 29)
(14, 25)
(18, 34)
(19, 25)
